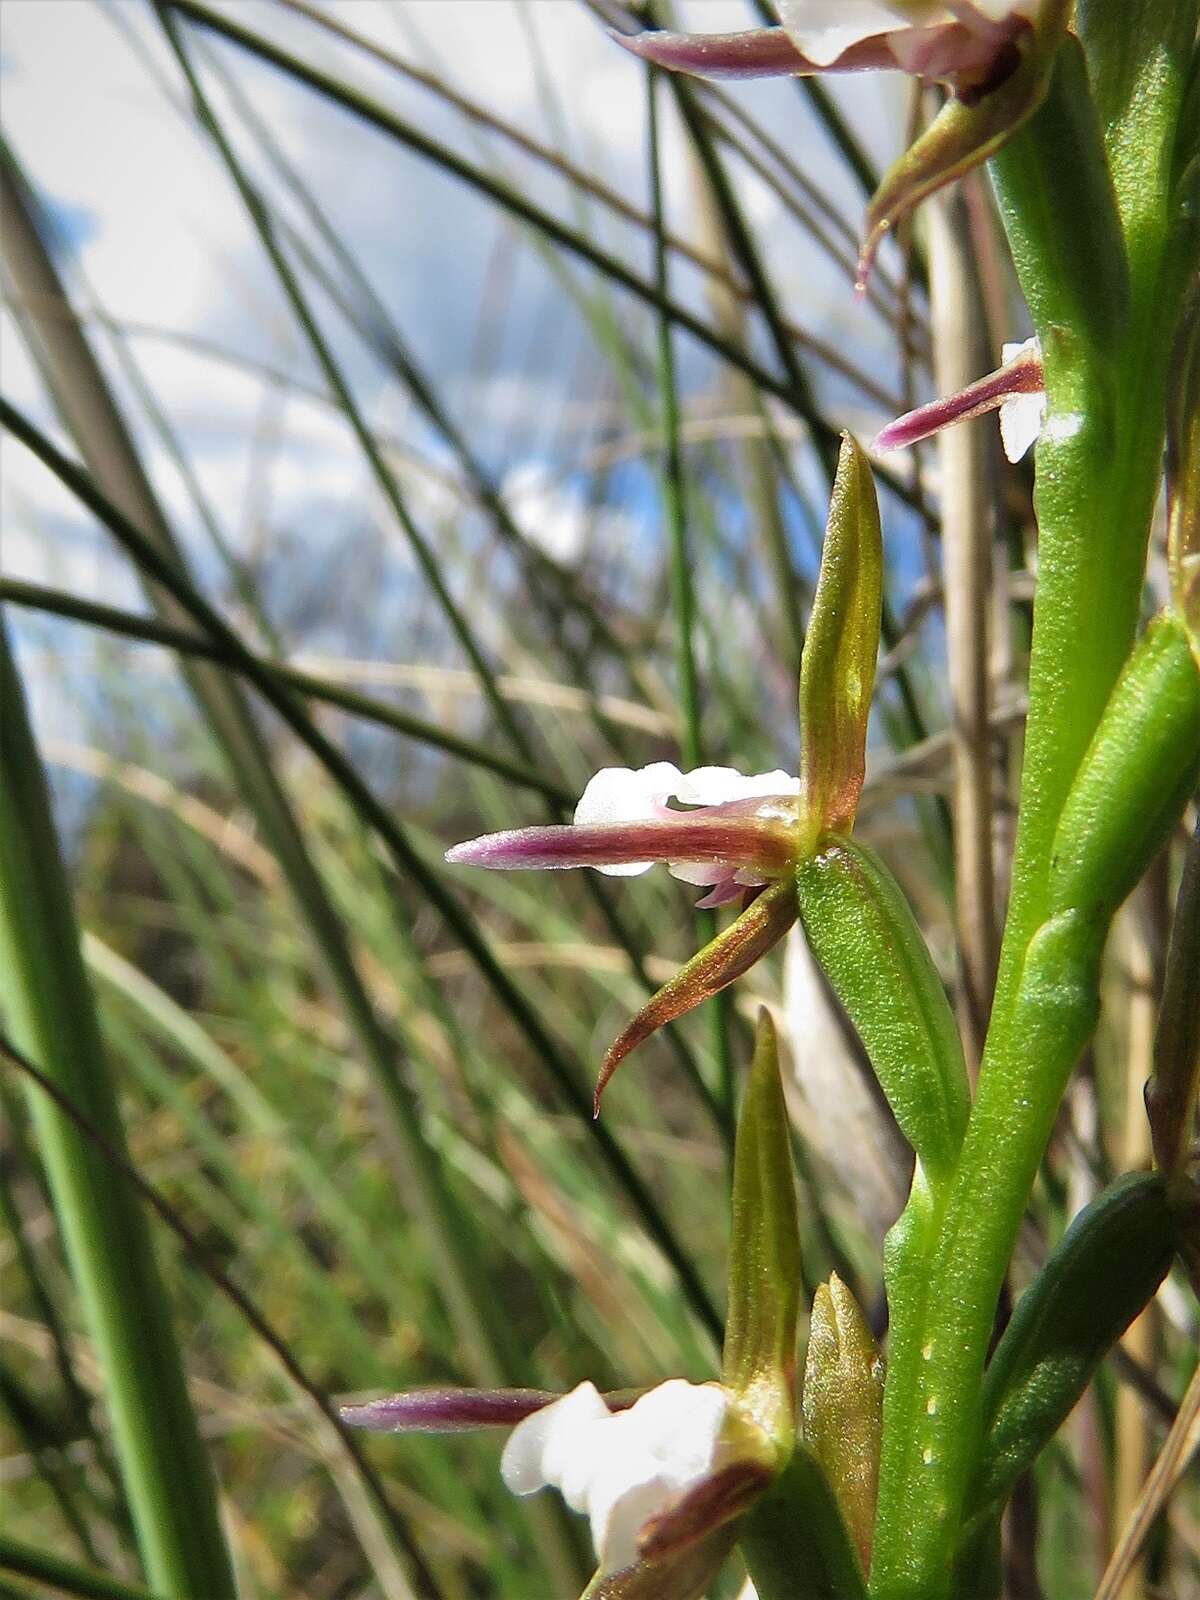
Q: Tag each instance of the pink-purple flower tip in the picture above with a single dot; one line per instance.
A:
(755, 53)
(1022, 375)
(447, 1410)
(739, 841)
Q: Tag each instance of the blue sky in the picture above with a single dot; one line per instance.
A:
(164, 247)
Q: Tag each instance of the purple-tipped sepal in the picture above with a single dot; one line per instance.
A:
(1021, 378)
(447, 1410)
(755, 53)
(734, 841)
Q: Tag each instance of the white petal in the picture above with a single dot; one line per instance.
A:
(538, 1447)
(666, 1442)
(1021, 420)
(1001, 10)
(619, 1468)
(717, 786)
(620, 794)
(1025, 347)
(823, 29)
(618, 1515)
(681, 1424)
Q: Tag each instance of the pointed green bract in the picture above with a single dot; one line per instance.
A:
(837, 668)
(795, 1541)
(759, 1362)
(843, 1406)
(863, 934)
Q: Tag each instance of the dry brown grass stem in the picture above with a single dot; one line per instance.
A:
(960, 355)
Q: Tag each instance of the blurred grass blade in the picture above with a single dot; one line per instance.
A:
(79, 389)
(1178, 1450)
(50, 1009)
(114, 1160)
(64, 1576)
(188, 643)
(410, 864)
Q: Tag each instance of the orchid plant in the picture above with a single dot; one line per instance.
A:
(888, 1473)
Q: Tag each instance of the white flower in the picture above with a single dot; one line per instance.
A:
(1022, 416)
(620, 794)
(622, 1468)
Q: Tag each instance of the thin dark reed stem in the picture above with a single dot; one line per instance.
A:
(149, 630)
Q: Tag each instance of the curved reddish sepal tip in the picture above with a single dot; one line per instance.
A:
(756, 53)
(693, 1515)
(728, 956)
(447, 1410)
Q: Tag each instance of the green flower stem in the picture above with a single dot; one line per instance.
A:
(45, 995)
(1105, 313)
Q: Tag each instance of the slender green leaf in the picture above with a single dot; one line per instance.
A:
(1107, 1267)
(45, 995)
(1134, 780)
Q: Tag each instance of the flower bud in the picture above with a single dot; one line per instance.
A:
(843, 1406)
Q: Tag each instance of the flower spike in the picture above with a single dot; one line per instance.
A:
(733, 952)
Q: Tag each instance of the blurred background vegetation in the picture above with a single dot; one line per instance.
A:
(496, 421)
